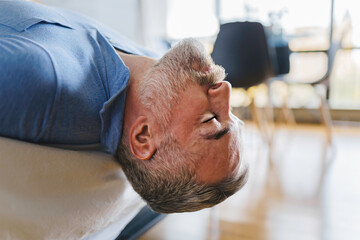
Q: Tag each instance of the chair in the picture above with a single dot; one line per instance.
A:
(280, 58)
(335, 45)
(242, 49)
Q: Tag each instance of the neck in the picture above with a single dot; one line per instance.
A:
(138, 67)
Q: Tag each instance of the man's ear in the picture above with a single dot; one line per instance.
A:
(141, 139)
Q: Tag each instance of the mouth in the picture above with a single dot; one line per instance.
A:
(216, 85)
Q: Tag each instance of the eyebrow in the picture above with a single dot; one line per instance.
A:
(219, 134)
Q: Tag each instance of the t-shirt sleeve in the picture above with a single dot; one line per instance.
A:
(27, 88)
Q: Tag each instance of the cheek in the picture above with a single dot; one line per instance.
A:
(182, 127)
(185, 117)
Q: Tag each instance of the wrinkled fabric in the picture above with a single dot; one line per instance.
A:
(61, 80)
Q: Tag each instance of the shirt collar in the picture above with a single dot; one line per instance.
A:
(20, 15)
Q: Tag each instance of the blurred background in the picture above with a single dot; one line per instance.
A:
(302, 138)
(304, 25)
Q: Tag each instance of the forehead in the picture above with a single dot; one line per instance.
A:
(219, 159)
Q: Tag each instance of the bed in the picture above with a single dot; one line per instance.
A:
(52, 193)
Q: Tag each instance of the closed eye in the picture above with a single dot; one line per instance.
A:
(209, 119)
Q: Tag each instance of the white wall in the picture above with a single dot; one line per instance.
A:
(143, 21)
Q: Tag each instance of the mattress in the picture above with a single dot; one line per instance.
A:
(53, 193)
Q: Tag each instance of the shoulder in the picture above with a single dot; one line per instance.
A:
(22, 58)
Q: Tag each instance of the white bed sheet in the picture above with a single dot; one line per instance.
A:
(52, 193)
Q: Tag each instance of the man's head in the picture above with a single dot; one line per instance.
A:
(182, 153)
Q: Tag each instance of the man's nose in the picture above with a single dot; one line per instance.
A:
(219, 97)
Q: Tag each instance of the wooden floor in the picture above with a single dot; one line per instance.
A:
(310, 191)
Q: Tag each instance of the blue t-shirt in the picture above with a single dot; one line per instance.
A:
(61, 80)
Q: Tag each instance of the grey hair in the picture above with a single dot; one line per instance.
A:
(186, 63)
(171, 186)
(167, 181)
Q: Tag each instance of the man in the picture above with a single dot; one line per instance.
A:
(66, 80)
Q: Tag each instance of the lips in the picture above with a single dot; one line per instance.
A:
(217, 85)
